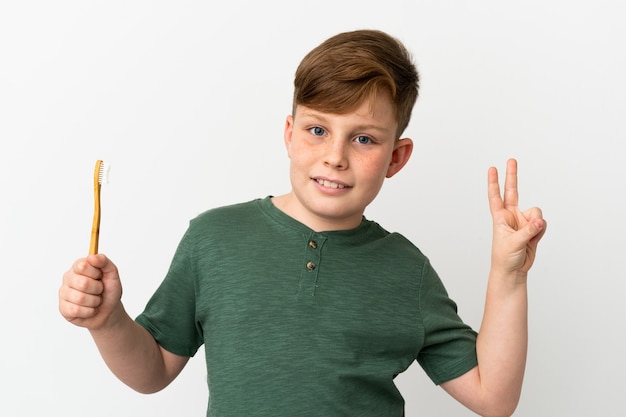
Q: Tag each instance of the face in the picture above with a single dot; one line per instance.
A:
(339, 163)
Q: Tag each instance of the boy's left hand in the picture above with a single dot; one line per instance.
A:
(515, 233)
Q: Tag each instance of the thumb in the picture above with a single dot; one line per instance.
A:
(535, 226)
(534, 231)
(103, 263)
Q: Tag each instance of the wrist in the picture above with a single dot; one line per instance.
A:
(115, 320)
(506, 277)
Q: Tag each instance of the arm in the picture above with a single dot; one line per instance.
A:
(494, 386)
(90, 297)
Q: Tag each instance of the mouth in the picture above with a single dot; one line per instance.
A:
(329, 184)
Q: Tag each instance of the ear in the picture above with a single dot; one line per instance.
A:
(400, 156)
(287, 134)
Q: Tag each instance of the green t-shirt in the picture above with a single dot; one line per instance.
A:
(302, 323)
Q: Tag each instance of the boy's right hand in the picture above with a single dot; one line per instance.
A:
(91, 292)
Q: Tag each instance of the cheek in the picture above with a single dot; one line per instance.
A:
(301, 153)
(375, 168)
(299, 162)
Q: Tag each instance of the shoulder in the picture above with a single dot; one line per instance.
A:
(393, 251)
(393, 243)
(219, 222)
(226, 215)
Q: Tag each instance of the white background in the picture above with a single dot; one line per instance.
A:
(187, 100)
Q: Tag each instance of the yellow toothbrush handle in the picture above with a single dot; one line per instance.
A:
(95, 228)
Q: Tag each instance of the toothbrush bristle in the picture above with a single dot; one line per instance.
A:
(103, 174)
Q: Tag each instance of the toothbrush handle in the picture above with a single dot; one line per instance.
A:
(95, 227)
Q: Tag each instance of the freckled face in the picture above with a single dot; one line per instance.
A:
(339, 163)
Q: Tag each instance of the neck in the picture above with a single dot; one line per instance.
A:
(289, 204)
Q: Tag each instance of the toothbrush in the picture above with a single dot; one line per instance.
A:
(100, 176)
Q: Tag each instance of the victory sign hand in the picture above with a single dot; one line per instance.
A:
(515, 233)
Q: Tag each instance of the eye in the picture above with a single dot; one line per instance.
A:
(317, 131)
(363, 139)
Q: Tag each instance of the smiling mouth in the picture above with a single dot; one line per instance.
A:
(329, 184)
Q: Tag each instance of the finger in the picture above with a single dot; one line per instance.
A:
(103, 264)
(511, 195)
(74, 312)
(84, 267)
(82, 283)
(493, 190)
(533, 213)
(79, 298)
(75, 305)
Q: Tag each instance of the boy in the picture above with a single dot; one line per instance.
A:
(306, 308)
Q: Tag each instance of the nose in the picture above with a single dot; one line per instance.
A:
(336, 154)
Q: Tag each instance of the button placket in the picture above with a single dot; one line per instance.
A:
(312, 262)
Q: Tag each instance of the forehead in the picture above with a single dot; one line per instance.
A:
(377, 112)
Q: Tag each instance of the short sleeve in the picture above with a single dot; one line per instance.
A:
(449, 348)
(170, 314)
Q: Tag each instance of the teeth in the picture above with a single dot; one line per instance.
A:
(330, 184)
